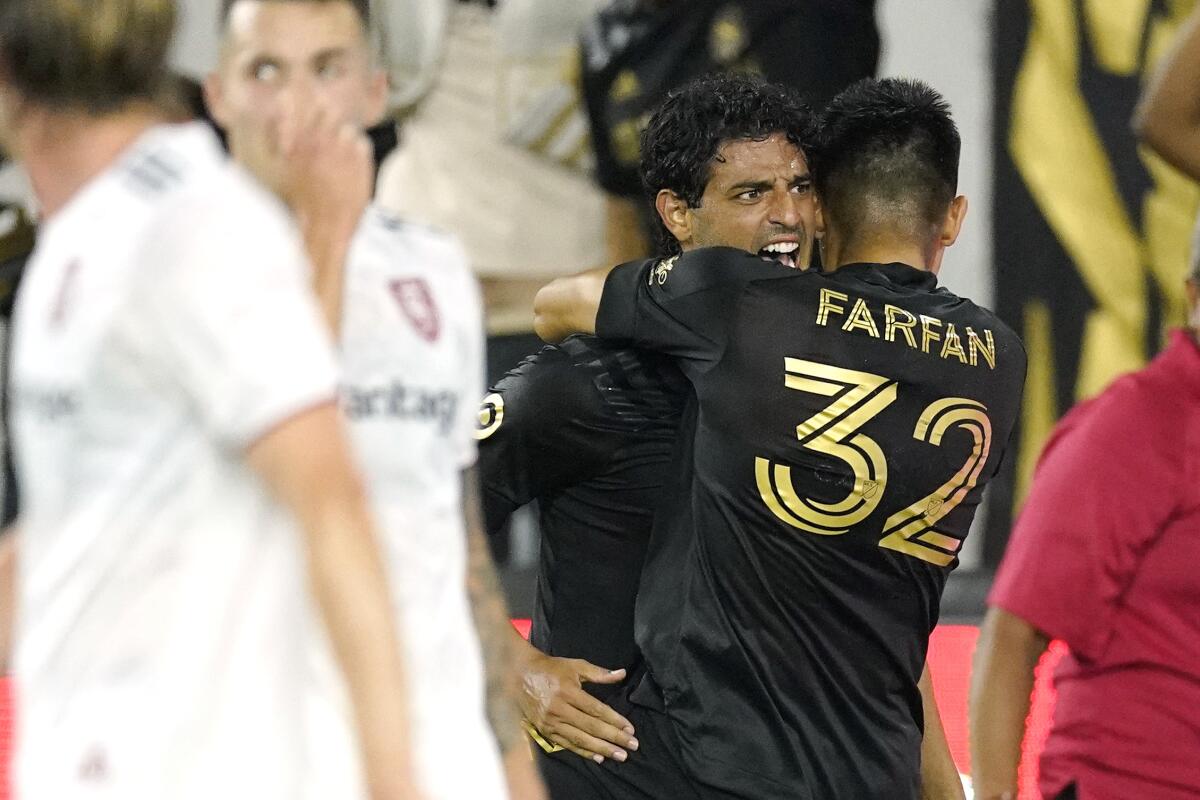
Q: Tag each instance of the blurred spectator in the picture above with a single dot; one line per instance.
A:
(1104, 558)
(635, 51)
(496, 150)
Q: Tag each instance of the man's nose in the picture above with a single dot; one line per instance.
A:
(785, 209)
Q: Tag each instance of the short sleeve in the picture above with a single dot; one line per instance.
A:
(541, 429)
(226, 312)
(469, 307)
(1101, 494)
(682, 306)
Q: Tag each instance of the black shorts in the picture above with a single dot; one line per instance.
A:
(653, 772)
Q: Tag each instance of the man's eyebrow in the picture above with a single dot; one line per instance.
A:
(743, 186)
(330, 53)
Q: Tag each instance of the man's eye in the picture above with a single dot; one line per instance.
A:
(802, 188)
(750, 194)
(330, 71)
(265, 72)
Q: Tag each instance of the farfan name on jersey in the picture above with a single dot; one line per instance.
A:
(919, 332)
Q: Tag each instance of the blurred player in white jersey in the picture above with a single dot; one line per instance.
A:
(180, 454)
(296, 87)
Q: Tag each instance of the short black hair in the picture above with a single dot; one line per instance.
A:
(685, 134)
(362, 7)
(887, 157)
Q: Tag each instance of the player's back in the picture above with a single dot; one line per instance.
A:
(847, 424)
(586, 428)
(164, 325)
(412, 374)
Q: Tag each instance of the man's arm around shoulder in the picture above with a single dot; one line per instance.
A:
(569, 305)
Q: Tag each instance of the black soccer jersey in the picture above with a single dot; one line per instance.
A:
(586, 428)
(846, 426)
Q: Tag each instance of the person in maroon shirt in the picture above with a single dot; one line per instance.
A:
(1106, 557)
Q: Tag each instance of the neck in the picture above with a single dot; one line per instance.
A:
(837, 253)
(63, 151)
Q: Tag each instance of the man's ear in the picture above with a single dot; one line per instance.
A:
(214, 98)
(377, 107)
(675, 214)
(952, 225)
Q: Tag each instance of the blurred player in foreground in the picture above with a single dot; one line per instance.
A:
(180, 452)
(846, 425)
(296, 88)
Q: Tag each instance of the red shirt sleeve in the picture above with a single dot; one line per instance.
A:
(1106, 482)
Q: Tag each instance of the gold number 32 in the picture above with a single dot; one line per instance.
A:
(836, 431)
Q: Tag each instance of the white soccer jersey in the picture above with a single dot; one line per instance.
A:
(165, 324)
(412, 373)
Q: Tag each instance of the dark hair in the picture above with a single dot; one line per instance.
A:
(887, 157)
(92, 55)
(684, 136)
(362, 7)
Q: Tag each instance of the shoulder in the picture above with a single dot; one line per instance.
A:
(225, 220)
(1139, 411)
(551, 376)
(713, 267)
(401, 245)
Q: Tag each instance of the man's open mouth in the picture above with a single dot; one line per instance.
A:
(783, 252)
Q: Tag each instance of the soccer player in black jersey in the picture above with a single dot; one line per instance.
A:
(587, 428)
(847, 423)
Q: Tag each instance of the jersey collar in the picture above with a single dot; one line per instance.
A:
(894, 274)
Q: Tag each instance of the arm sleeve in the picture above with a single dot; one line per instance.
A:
(1101, 494)
(683, 307)
(231, 320)
(539, 432)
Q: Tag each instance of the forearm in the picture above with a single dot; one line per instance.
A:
(1001, 685)
(351, 593)
(568, 305)
(8, 595)
(498, 639)
(939, 775)
(328, 248)
(1168, 116)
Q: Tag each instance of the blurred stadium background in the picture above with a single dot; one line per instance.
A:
(1077, 236)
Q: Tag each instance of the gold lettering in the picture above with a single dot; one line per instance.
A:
(953, 344)
(860, 319)
(976, 346)
(928, 334)
(891, 312)
(827, 306)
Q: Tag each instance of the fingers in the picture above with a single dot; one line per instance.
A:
(590, 673)
(579, 741)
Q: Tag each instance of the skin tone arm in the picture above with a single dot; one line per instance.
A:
(939, 775)
(1168, 116)
(497, 642)
(1001, 685)
(569, 305)
(305, 462)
